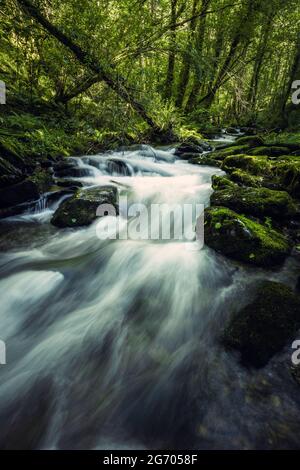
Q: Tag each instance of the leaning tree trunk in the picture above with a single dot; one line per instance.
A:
(113, 80)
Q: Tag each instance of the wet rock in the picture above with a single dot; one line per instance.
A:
(119, 167)
(271, 151)
(65, 183)
(226, 151)
(81, 208)
(188, 156)
(254, 165)
(192, 147)
(9, 174)
(252, 141)
(205, 160)
(232, 131)
(18, 193)
(242, 239)
(25, 418)
(221, 182)
(260, 202)
(264, 327)
(246, 179)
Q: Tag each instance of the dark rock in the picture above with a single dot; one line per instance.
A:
(9, 174)
(272, 151)
(221, 182)
(242, 239)
(64, 183)
(260, 202)
(232, 131)
(188, 156)
(252, 141)
(18, 193)
(188, 148)
(81, 208)
(264, 327)
(119, 167)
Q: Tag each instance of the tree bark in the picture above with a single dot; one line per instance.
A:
(171, 59)
(113, 80)
(237, 39)
(187, 60)
(193, 97)
(258, 63)
(293, 75)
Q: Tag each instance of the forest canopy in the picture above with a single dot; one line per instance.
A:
(167, 64)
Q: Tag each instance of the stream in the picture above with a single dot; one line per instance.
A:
(114, 344)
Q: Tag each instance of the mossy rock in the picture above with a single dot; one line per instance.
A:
(259, 202)
(246, 179)
(205, 160)
(271, 151)
(251, 140)
(43, 180)
(242, 239)
(222, 182)
(259, 165)
(288, 175)
(81, 209)
(227, 151)
(264, 327)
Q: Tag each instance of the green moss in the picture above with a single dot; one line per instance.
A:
(270, 151)
(288, 175)
(205, 160)
(260, 202)
(243, 239)
(42, 179)
(81, 209)
(246, 179)
(221, 182)
(255, 165)
(232, 150)
(252, 141)
(264, 326)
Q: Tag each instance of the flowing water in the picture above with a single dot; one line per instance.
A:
(115, 343)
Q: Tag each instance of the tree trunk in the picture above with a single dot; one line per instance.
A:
(84, 84)
(187, 60)
(258, 63)
(293, 75)
(237, 39)
(199, 48)
(114, 81)
(171, 59)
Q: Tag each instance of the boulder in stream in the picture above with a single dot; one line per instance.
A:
(19, 193)
(263, 328)
(80, 209)
(243, 239)
(260, 202)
